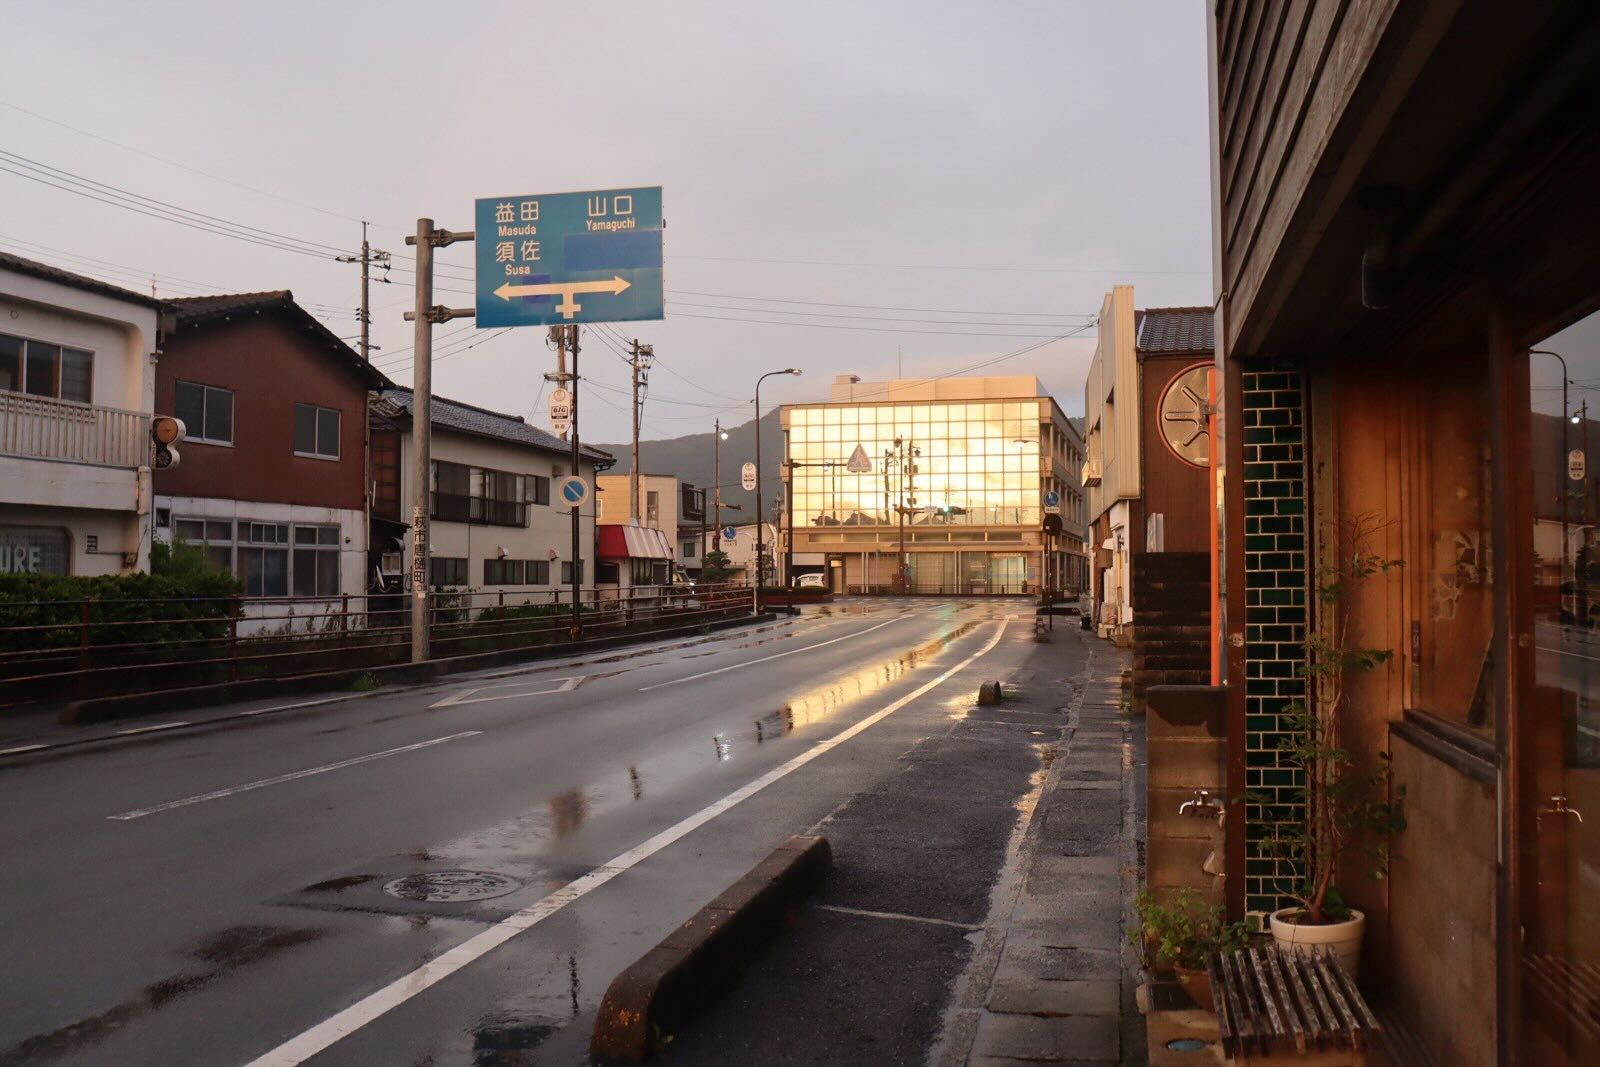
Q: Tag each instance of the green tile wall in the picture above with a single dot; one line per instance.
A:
(1276, 597)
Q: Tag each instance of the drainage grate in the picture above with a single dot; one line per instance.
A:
(438, 887)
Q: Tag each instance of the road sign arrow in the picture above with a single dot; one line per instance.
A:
(565, 290)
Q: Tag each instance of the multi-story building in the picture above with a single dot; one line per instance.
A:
(273, 477)
(1147, 439)
(494, 525)
(77, 391)
(930, 485)
(666, 503)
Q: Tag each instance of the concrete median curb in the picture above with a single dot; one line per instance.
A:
(705, 955)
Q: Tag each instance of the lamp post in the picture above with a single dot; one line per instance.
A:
(719, 436)
(755, 587)
(1561, 478)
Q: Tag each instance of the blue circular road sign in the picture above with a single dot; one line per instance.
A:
(728, 533)
(1052, 498)
(574, 491)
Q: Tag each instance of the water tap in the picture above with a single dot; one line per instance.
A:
(1202, 804)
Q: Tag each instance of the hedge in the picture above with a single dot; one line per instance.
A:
(188, 601)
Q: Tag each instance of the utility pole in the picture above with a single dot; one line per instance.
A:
(639, 359)
(566, 338)
(716, 486)
(423, 315)
(369, 256)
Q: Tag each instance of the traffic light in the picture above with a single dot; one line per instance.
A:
(166, 432)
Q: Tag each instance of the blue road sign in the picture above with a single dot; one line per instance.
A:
(1052, 499)
(728, 533)
(574, 491)
(569, 257)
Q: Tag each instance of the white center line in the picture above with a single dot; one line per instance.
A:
(313, 1041)
(218, 794)
(21, 748)
(150, 729)
(765, 659)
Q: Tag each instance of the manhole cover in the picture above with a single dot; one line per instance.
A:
(452, 886)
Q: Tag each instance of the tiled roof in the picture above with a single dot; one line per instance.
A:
(195, 311)
(195, 306)
(1175, 330)
(452, 415)
(36, 269)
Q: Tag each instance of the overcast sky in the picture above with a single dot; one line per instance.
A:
(991, 167)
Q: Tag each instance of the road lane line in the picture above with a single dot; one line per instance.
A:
(373, 1006)
(218, 794)
(150, 729)
(765, 659)
(21, 748)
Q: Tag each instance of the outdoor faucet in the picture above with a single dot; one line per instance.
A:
(1202, 804)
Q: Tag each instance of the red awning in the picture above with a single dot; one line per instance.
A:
(633, 542)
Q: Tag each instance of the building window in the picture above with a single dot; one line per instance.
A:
(316, 431)
(45, 370)
(447, 570)
(538, 489)
(316, 561)
(33, 550)
(480, 495)
(649, 571)
(206, 411)
(538, 572)
(503, 572)
(689, 548)
(566, 572)
(263, 558)
(213, 535)
(652, 506)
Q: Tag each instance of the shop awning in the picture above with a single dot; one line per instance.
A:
(618, 541)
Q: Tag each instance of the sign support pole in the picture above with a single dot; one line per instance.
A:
(576, 629)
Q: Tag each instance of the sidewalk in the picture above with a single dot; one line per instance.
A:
(1051, 981)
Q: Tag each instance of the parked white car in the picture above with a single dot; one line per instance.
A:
(811, 581)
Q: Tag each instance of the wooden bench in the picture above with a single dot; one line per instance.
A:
(1283, 1008)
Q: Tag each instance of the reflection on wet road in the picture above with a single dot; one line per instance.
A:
(352, 869)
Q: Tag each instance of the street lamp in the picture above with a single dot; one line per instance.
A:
(1566, 419)
(755, 588)
(720, 435)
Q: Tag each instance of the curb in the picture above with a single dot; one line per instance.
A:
(705, 955)
(104, 709)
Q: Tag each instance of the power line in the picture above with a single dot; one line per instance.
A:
(868, 318)
(938, 266)
(879, 307)
(867, 329)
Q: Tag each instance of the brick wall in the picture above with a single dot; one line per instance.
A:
(1276, 583)
(1171, 620)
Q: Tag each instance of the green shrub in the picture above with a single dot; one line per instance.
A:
(188, 603)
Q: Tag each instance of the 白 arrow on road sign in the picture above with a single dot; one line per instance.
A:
(565, 290)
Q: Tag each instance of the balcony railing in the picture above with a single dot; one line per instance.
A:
(38, 427)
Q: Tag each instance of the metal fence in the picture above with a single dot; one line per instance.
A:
(42, 428)
(66, 650)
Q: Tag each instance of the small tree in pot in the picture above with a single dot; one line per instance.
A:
(1180, 936)
(1337, 803)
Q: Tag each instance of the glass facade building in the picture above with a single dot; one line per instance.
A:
(965, 466)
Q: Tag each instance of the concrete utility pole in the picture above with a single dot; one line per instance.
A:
(424, 315)
(369, 256)
(716, 486)
(639, 359)
(569, 343)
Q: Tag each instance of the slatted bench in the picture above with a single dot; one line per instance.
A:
(1289, 1008)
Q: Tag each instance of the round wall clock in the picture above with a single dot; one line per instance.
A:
(1183, 415)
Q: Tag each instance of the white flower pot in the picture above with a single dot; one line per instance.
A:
(1342, 938)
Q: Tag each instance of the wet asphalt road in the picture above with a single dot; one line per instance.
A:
(209, 898)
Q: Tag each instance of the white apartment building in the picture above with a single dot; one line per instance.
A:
(496, 525)
(77, 388)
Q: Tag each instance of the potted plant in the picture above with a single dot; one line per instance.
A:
(1180, 936)
(1336, 803)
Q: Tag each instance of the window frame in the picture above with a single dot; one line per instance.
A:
(320, 546)
(436, 563)
(197, 434)
(318, 411)
(57, 365)
(498, 571)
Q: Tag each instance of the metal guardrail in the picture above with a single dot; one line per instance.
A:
(120, 647)
(37, 427)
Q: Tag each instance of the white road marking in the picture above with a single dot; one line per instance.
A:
(864, 913)
(299, 704)
(765, 659)
(315, 1040)
(1569, 655)
(567, 685)
(150, 729)
(218, 794)
(21, 748)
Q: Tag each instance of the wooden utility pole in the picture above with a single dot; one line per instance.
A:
(716, 486)
(368, 256)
